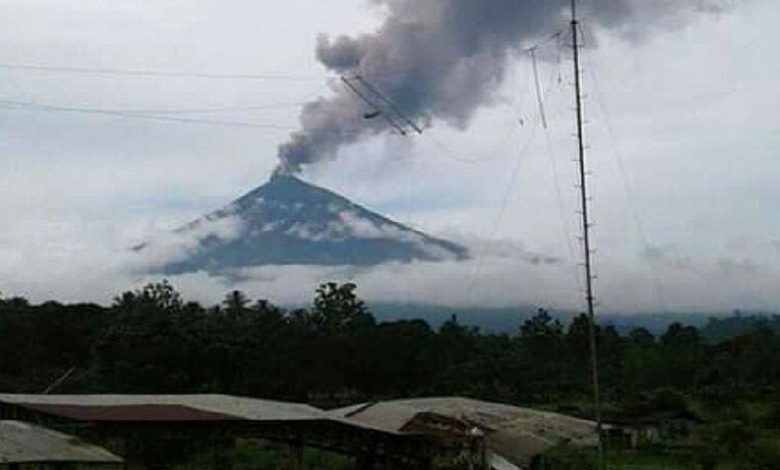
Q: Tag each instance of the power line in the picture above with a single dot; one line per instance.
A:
(377, 110)
(538, 88)
(449, 153)
(561, 206)
(204, 110)
(476, 270)
(216, 109)
(220, 109)
(554, 37)
(60, 380)
(496, 149)
(40, 107)
(552, 157)
(390, 103)
(620, 162)
(159, 74)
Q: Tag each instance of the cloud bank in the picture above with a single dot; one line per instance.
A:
(502, 273)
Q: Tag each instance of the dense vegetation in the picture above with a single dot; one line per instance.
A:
(335, 352)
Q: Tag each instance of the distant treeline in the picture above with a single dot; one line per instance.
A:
(713, 327)
(153, 341)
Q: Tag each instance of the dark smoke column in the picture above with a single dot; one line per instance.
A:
(443, 59)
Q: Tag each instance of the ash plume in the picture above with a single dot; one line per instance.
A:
(443, 59)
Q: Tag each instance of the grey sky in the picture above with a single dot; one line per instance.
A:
(691, 111)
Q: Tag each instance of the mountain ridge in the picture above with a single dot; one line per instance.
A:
(291, 222)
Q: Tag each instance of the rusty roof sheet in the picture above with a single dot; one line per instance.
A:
(129, 413)
(23, 443)
(232, 406)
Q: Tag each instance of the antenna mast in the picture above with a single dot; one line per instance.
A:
(586, 225)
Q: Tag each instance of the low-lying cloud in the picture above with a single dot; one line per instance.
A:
(502, 273)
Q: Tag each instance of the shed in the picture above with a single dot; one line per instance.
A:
(147, 427)
(24, 443)
(513, 435)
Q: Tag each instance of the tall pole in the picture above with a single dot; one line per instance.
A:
(586, 241)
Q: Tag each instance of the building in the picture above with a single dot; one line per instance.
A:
(403, 434)
(512, 436)
(149, 429)
(26, 445)
(669, 429)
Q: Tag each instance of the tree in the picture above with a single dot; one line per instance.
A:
(678, 336)
(578, 349)
(160, 296)
(642, 362)
(681, 351)
(235, 303)
(542, 334)
(544, 357)
(337, 309)
(578, 336)
(641, 337)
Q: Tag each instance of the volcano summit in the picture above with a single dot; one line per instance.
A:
(290, 222)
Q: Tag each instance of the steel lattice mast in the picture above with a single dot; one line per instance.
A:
(586, 226)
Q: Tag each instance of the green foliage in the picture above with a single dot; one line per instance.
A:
(261, 455)
(746, 447)
(764, 454)
(151, 340)
(573, 458)
(338, 310)
(721, 329)
(156, 297)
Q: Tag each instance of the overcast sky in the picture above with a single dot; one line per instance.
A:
(682, 133)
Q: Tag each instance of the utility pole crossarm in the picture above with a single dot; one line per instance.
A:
(377, 109)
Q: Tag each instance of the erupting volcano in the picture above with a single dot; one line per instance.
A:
(290, 222)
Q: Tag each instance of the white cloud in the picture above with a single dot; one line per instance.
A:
(692, 111)
(711, 286)
(170, 246)
(93, 263)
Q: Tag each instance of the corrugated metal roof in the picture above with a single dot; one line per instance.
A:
(237, 407)
(231, 406)
(487, 414)
(26, 443)
(497, 462)
(515, 433)
(129, 413)
(387, 415)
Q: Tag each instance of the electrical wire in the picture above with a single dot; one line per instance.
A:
(392, 106)
(220, 109)
(207, 110)
(538, 85)
(476, 270)
(620, 162)
(40, 107)
(565, 227)
(156, 73)
(450, 154)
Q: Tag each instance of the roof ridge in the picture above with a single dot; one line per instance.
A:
(360, 409)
